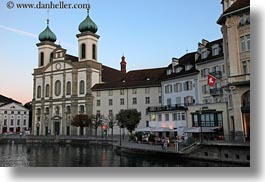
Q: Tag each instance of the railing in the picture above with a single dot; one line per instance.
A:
(216, 91)
(167, 108)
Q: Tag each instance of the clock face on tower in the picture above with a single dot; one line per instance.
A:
(58, 66)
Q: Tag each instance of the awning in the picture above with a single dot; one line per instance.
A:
(200, 129)
(149, 129)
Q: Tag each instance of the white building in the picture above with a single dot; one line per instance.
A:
(14, 118)
(138, 89)
(179, 90)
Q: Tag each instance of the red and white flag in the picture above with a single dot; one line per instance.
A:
(211, 80)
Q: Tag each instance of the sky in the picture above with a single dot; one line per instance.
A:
(148, 32)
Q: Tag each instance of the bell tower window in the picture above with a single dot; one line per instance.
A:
(94, 52)
(41, 59)
(83, 51)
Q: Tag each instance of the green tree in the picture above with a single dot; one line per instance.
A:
(82, 121)
(128, 119)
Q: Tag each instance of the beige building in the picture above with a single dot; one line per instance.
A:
(235, 22)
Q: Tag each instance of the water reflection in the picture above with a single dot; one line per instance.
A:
(84, 156)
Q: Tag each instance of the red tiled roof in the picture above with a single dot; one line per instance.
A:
(134, 79)
(239, 4)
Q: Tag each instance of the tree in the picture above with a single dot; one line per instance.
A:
(82, 121)
(97, 122)
(128, 119)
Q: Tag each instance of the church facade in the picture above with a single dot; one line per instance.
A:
(62, 82)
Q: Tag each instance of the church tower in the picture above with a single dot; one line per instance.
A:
(46, 46)
(88, 40)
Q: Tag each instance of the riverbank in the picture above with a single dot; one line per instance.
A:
(237, 153)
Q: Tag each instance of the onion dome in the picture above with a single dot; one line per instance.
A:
(47, 34)
(88, 25)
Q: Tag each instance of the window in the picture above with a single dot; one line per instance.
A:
(41, 59)
(183, 117)
(81, 109)
(166, 117)
(188, 101)
(160, 99)
(68, 88)
(168, 89)
(83, 51)
(243, 45)
(205, 89)
(58, 88)
(25, 122)
(94, 52)
(51, 57)
(147, 90)
(98, 113)
(245, 67)
(247, 19)
(82, 87)
(12, 122)
(122, 101)
(12, 112)
(178, 87)
(153, 117)
(5, 112)
(98, 93)
(110, 102)
(134, 91)
(169, 102)
(248, 42)
(98, 102)
(215, 51)
(39, 92)
(5, 122)
(110, 93)
(159, 117)
(241, 21)
(204, 72)
(47, 90)
(187, 85)
(121, 92)
(68, 109)
(204, 54)
(47, 111)
(134, 101)
(18, 122)
(147, 100)
(175, 117)
(110, 112)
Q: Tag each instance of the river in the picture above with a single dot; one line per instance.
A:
(19, 155)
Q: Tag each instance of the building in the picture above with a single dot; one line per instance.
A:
(62, 82)
(179, 90)
(14, 118)
(209, 116)
(235, 22)
(136, 89)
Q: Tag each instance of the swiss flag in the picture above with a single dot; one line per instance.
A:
(211, 80)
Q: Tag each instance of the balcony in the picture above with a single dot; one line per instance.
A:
(176, 107)
(239, 79)
(216, 91)
(217, 74)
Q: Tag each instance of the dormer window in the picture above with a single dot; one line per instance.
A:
(169, 71)
(215, 50)
(241, 21)
(188, 67)
(178, 69)
(204, 54)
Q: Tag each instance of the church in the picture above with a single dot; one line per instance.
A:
(62, 82)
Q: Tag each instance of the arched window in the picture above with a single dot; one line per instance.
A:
(94, 52)
(68, 88)
(39, 92)
(41, 59)
(47, 90)
(57, 88)
(82, 87)
(83, 51)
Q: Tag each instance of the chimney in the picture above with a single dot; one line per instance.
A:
(123, 65)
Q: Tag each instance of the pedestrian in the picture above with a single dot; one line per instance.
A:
(163, 143)
(20, 134)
